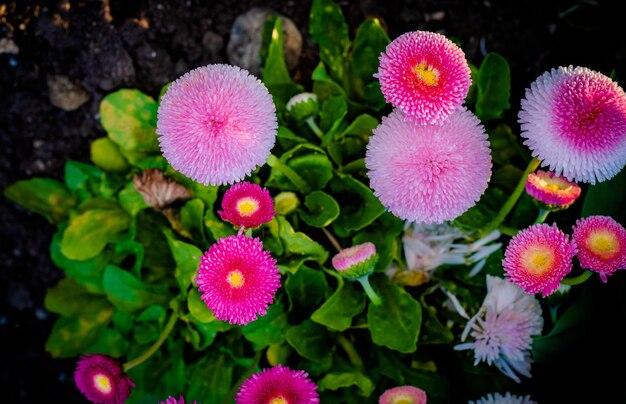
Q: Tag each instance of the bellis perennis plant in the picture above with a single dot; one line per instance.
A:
(248, 239)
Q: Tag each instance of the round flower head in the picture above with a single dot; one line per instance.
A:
(403, 395)
(508, 398)
(278, 385)
(357, 261)
(574, 120)
(216, 124)
(247, 205)
(303, 106)
(538, 258)
(102, 379)
(429, 173)
(172, 400)
(425, 75)
(238, 279)
(601, 244)
(552, 191)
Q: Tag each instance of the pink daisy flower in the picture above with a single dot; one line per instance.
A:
(278, 385)
(601, 243)
(501, 331)
(180, 400)
(238, 279)
(429, 173)
(574, 119)
(102, 379)
(216, 124)
(425, 75)
(538, 258)
(403, 395)
(552, 190)
(247, 205)
(356, 261)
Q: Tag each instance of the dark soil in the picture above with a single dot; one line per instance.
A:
(145, 43)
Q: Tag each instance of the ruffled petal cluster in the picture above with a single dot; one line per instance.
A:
(247, 205)
(356, 261)
(601, 244)
(102, 379)
(278, 385)
(403, 395)
(551, 190)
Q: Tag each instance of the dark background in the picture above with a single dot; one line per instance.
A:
(82, 39)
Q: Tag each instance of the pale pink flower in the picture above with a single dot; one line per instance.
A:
(403, 395)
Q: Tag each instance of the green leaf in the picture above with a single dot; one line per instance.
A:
(131, 200)
(334, 110)
(306, 288)
(337, 312)
(359, 205)
(484, 211)
(329, 30)
(43, 196)
(197, 307)
(268, 329)
(129, 118)
(494, 87)
(106, 155)
(216, 227)
(129, 293)
(335, 381)
(109, 342)
(187, 258)
(363, 125)
(471, 94)
(192, 218)
(503, 144)
(275, 74)
(384, 234)
(83, 180)
(310, 341)
(71, 299)
(398, 312)
(324, 86)
(607, 198)
(373, 96)
(89, 232)
(299, 243)
(323, 209)
(433, 332)
(370, 41)
(70, 336)
(210, 379)
(202, 335)
(314, 168)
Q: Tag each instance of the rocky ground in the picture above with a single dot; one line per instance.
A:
(59, 58)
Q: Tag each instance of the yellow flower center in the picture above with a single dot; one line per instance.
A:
(537, 259)
(235, 279)
(278, 400)
(247, 206)
(102, 383)
(429, 75)
(554, 184)
(603, 243)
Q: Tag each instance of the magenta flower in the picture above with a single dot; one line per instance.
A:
(247, 205)
(172, 400)
(425, 75)
(278, 385)
(553, 191)
(601, 243)
(356, 261)
(102, 379)
(238, 279)
(428, 173)
(574, 119)
(538, 258)
(503, 328)
(216, 124)
(403, 395)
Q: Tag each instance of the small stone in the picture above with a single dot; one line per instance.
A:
(8, 46)
(65, 94)
(246, 38)
(438, 15)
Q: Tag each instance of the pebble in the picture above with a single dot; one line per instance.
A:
(8, 46)
(246, 37)
(65, 94)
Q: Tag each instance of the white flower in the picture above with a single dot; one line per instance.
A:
(503, 328)
(429, 246)
(508, 398)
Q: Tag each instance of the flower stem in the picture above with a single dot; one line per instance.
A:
(543, 215)
(316, 129)
(577, 280)
(510, 203)
(364, 281)
(332, 239)
(290, 173)
(155, 347)
(508, 230)
(352, 353)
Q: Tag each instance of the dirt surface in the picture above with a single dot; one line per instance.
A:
(101, 46)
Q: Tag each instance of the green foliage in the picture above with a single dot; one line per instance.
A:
(44, 196)
(493, 87)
